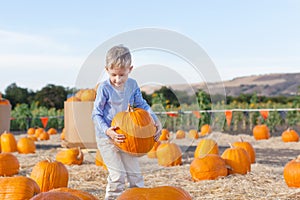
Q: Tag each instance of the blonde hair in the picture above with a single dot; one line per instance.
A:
(118, 56)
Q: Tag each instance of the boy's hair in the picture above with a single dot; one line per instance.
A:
(118, 56)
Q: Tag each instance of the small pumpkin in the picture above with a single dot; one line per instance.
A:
(99, 160)
(50, 174)
(291, 173)
(209, 167)
(52, 131)
(72, 99)
(9, 164)
(63, 134)
(79, 193)
(44, 136)
(31, 131)
(205, 130)
(206, 146)
(8, 142)
(248, 148)
(290, 135)
(152, 152)
(26, 145)
(237, 159)
(38, 131)
(55, 195)
(3, 101)
(72, 156)
(161, 193)
(18, 188)
(180, 134)
(168, 154)
(138, 127)
(193, 134)
(88, 95)
(261, 132)
(165, 134)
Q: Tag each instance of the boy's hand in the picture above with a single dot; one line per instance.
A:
(158, 131)
(119, 138)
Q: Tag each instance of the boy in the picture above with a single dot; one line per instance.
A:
(113, 96)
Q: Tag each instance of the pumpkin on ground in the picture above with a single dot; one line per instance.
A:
(168, 154)
(52, 131)
(138, 127)
(8, 142)
(209, 167)
(290, 135)
(152, 152)
(72, 156)
(180, 134)
(248, 147)
(55, 196)
(237, 159)
(261, 132)
(18, 188)
(9, 164)
(50, 175)
(161, 193)
(79, 193)
(31, 131)
(165, 134)
(99, 160)
(26, 145)
(291, 173)
(206, 146)
(38, 131)
(205, 130)
(193, 134)
(44, 136)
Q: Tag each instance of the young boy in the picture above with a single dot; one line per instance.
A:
(113, 96)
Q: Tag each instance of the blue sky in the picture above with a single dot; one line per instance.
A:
(45, 42)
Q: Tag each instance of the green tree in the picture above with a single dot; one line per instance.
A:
(17, 94)
(204, 104)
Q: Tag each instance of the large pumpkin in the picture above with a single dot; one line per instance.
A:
(26, 145)
(208, 167)
(237, 159)
(138, 127)
(55, 195)
(18, 188)
(161, 193)
(291, 173)
(261, 132)
(9, 164)
(290, 135)
(248, 147)
(168, 154)
(72, 156)
(79, 193)
(88, 95)
(8, 142)
(50, 175)
(206, 146)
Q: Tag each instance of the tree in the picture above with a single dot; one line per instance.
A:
(17, 94)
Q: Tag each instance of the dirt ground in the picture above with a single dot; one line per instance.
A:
(265, 181)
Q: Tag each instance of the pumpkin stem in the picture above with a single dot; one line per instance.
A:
(129, 108)
(241, 138)
(230, 145)
(79, 154)
(297, 159)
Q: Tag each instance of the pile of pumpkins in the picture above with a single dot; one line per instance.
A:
(83, 95)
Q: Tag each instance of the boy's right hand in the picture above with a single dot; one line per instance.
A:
(119, 138)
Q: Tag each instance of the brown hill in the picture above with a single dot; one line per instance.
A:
(264, 85)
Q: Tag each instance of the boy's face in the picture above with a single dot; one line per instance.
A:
(118, 76)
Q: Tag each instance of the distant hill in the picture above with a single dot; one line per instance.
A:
(263, 85)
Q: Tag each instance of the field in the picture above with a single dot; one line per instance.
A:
(265, 181)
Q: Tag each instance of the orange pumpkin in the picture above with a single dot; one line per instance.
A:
(261, 132)
(88, 95)
(290, 136)
(152, 152)
(99, 160)
(50, 174)
(206, 146)
(161, 193)
(63, 134)
(79, 193)
(205, 130)
(138, 127)
(168, 154)
(3, 101)
(8, 142)
(26, 145)
(291, 173)
(165, 134)
(44, 136)
(72, 156)
(18, 188)
(180, 134)
(9, 164)
(52, 131)
(31, 131)
(193, 134)
(38, 131)
(248, 148)
(55, 195)
(208, 167)
(237, 159)
(72, 99)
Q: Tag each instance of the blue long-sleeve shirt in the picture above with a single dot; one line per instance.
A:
(109, 101)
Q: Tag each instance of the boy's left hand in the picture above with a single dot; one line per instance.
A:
(158, 131)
